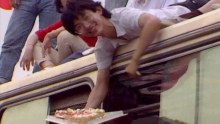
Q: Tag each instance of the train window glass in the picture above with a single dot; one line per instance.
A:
(33, 112)
(73, 98)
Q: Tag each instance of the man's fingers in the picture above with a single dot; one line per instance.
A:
(23, 66)
(134, 74)
(32, 62)
(138, 73)
(21, 63)
(28, 66)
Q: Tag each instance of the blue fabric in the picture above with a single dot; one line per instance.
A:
(73, 56)
(20, 25)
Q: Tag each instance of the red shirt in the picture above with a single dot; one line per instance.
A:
(43, 32)
(5, 4)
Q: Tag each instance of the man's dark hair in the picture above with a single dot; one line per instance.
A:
(76, 8)
(59, 6)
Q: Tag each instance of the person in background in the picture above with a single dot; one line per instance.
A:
(89, 18)
(195, 7)
(69, 47)
(19, 27)
(151, 4)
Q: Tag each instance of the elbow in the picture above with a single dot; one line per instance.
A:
(148, 20)
(155, 21)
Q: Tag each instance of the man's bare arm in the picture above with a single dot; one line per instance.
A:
(100, 90)
(48, 38)
(27, 59)
(150, 26)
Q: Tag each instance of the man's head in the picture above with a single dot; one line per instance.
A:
(84, 17)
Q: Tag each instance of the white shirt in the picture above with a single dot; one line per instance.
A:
(125, 21)
(161, 6)
(151, 4)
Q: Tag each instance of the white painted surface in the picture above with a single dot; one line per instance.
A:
(4, 18)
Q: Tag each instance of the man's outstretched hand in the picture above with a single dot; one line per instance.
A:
(131, 69)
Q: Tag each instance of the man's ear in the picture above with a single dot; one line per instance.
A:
(99, 10)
